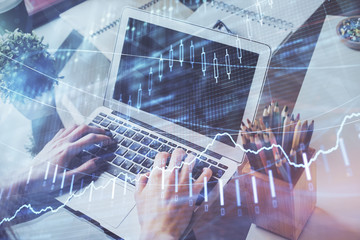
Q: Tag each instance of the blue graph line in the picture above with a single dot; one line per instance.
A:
(347, 117)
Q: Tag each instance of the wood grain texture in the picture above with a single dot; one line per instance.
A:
(295, 203)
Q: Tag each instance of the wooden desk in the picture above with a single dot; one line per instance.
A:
(283, 84)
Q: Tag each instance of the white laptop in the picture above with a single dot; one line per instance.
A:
(171, 84)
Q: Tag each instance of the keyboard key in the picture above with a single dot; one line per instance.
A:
(97, 119)
(118, 161)
(105, 122)
(210, 186)
(202, 157)
(148, 163)
(127, 125)
(113, 126)
(183, 148)
(152, 154)
(198, 168)
(118, 138)
(121, 151)
(164, 148)
(117, 172)
(217, 172)
(135, 146)
(129, 133)
(102, 114)
(136, 169)
(131, 179)
(171, 150)
(144, 132)
(223, 166)
(108, 157)
(126, 142)
(121, 130)
(118, 121)
(108, 133)
(112, 148)
(138, 159)
(111, 118)
(92, 125)
(153, 136)
(162, 140)
(212, 161)
(138, 137)
(136, 129)
(155, 144)
(144, 171)
(144, 150)
(113, 170)
(130, 155)
(126, 165)
(172, 144)
(146, 141)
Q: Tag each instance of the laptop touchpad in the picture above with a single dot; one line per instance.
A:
(104, 202)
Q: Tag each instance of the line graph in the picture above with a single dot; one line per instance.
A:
(92, 186)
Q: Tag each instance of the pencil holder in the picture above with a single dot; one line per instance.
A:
(279, 206)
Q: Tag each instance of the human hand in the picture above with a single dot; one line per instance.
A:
(164, 213)
(58, 154)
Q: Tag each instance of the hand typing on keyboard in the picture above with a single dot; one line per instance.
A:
(162, 201)
(47, 173)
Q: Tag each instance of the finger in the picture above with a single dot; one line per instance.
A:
(141, 183)
(68, 130)
(59, 133)
(160, 160)
(83, 130)
(199, 183)
(176, 158)
(159, 166)
(73, 149)
(91, 139)
(187, 168)
(174, 165)
(85, 169)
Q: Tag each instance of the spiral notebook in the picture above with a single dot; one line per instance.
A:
(97, 20)
(266, 21)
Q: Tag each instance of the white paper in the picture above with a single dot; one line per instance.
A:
(258, 20)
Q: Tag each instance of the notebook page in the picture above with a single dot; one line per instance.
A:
(265, 21)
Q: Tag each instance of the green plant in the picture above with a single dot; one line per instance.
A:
(27, 69)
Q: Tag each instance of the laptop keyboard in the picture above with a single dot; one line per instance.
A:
(136, 149)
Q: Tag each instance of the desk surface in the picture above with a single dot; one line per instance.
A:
(336, 215)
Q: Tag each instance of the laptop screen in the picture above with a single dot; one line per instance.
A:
(194, 82)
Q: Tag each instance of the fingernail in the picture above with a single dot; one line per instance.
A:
(204, 169)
